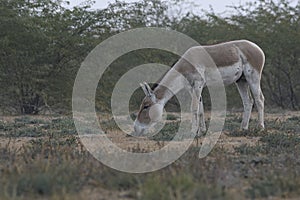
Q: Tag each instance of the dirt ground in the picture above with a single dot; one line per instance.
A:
(226, 141)
(125, 142)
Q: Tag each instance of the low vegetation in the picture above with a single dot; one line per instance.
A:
(43, 158)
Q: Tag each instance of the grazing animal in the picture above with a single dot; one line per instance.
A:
(240, 62)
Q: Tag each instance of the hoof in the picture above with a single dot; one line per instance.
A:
(260, 127)
(129, 135)
(201, 132)
(243, 129)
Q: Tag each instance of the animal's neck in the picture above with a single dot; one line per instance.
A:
(170, 84)
(163, 94)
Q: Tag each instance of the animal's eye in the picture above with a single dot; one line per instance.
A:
(146, 106)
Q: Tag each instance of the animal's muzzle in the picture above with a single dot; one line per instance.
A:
(138, 129)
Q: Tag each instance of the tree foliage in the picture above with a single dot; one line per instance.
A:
(42, 44)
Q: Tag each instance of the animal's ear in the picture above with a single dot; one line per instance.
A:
(146, 88)
(148, 91)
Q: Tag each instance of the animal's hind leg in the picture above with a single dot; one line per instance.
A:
(259, 102)
(243, 88)
(254, 83)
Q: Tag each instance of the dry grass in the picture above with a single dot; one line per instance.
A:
(43, 158)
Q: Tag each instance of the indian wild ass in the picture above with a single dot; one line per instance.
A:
(240, 62)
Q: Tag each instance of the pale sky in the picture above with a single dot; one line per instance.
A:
(219, 6)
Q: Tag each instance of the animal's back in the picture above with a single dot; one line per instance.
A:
(226, 54)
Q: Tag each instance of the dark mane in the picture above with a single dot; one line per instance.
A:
(158, 81)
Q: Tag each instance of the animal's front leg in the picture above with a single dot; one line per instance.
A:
(202, 128)
(197, 109)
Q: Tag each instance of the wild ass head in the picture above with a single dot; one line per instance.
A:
(151, 111)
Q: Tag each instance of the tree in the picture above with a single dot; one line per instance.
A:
(42, 45)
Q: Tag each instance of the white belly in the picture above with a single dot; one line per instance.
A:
(229, 74)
